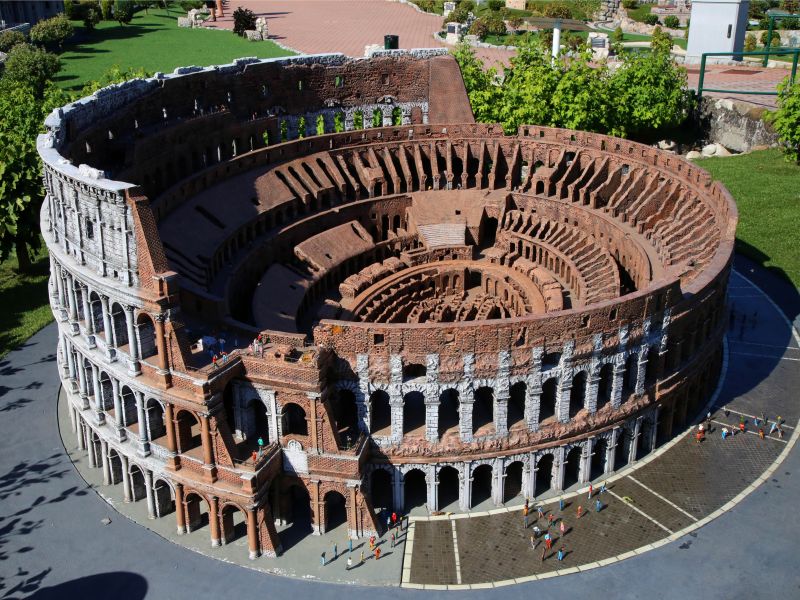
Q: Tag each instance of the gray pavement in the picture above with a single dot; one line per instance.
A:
(53, 543)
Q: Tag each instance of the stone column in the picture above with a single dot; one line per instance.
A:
(180, 509)
(108, 333)
(637, 431)
(118, 422)
(126, 478)
(468, 480)
(100, 416)
(502, 394)
(396, 396)
(618, 381)
(79, 430)
(133, 343)
(252, 533)
(106, 466)
(432, 477)
(72, 301)
(362, 370)
(83, 388)
(169, 423)
(161, 344)
(432, 398)
(464, 487)
(144, 444)
(584, 473)
(91, 448)
(533, 390)
(466, 399)
(148, 488)
(498, 477)
(205, 436)
(56, 271)
(213, 520)
(558, 466)
(611, 453)
(529, 479)
(87, 312)
(641, 370)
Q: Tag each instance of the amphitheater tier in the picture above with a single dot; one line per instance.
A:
(317, 282)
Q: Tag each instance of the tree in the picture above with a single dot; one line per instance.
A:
(776, 38)
(791, 6)
(21, 191)
(558, 11)
(484, 95)
(243, 20)
(479, 28)
(31, 67)
(618, 36)
(630, 4)
(750, 42)
(515, 22)
(651, 19)
(10, 38)
(495, 5)
(91, 19)
(52, 32)
(123, 11)
(106, 9)
(786, 120)
(581, 100)
(672, 22)
(661, 42)
(496, 25)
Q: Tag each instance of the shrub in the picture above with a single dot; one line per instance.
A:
(672, 22)
(495, 5)
(479, 28)
(618, 36)
(750, 42)
(786, 120)
(187, 5)
(123, 11)
(52, 31)
(496, 25)
(661, 42)
(558, 11)
(776, 38)
(243, 20)
(467, 5)
(30, 66)
(106, 9)
(630, 4)
(651, 19)
(69, 9)
(91, 19)
(574, 41)
(457, 16)
(516, 22)
(9, 39)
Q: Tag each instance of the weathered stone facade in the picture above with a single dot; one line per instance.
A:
(433, 303)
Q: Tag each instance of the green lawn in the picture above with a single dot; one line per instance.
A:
(153, 42)
(24, 301)
(767, 191)
(639, 13)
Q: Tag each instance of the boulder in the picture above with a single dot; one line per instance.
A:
(694, 154)
(666, 145)
(709, 150)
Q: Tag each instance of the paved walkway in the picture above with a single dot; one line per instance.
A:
(54, 542)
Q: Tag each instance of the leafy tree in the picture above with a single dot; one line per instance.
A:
(618, 36)
(10, 38)
(21, 191)
(123, 11)
(459, 15)
(495, 25)
(630, 4)
(750, 42)
(484, 95)
(52, 31)
(776, 38)
(672, 22)
(107, 10)
(243, 20)
(30, 67)
(558, 10)
(69, 9)
(495, 5)
(479, 28)
(467, 5)
(661, 42)
(786, 120)
(791, 6)
(91, 19)
(574, 41)
(515, 22)
(651, 19)
(581, 100)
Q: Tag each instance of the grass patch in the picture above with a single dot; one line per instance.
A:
(153, 42)
(639, 13)
(24, 300)
(767, 191)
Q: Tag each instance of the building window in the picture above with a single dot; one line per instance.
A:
(89, 229)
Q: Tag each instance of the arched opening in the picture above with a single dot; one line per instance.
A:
(397, 116)
(551, 359)
(414, 414)
(547, 402)
(516, 406)
(488, 232)
(129, 414)
(414, 371)
(345, 414)
(187, 431)
(293, 420)
(106, 392)
(196, 511)
(604, 385)
(572, 467)
(294, 511)
(448, 488)
(512, 486)
(631, 367)
(234, 523)
(623, 450)
(652, 368)
(381, 489)
(415, 490)
(380, 413)
(643, 445)
(665, 418)
(577, 394)
(483, 412)
(448, 412)
(544, 475)
(115, 466)
(119, 325)
(377, 118)
(154, 413)
(138, 487)
(598, 462)
(335, 510)
(260, 421)
(146, 333)
(97, 313)
(162, 494)
(481, 485)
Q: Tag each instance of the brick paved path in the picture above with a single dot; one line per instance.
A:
(675, 490)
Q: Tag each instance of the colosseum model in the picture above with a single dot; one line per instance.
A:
(297, 292)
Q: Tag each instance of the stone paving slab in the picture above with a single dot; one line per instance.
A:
(433, 560)
(670, 517)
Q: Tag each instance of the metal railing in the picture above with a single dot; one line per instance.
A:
(795, 52)
(770, 31)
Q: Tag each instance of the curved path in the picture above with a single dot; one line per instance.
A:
(60, 539)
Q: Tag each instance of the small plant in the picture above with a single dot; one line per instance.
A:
(776, 38)
(243, 20)
(187, 5)
(630, 4)
(672, 22)
(10, 38)
(651, 19)
(618, 36)
(106, 9)
(750, 42)
(495, 5)
(558, 10)
(52, 32)
(91, 19)
(123, 11)
(786, 120)
(69, 9)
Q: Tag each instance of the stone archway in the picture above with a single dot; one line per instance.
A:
(512, 484)
(335, 510)
(449, 484)
(544, 474)
(415, 489)
(572, 467)
(481, 485)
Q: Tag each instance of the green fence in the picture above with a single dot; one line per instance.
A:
(768, 47)
(794, 53)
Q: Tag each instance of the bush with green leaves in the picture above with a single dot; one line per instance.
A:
(10, 38)
(661, 41)
(123, 11)
(558, 10)
(243, 20)
(651, 19)
(479, 28)
(750, 42)
(187, 5)
(52, 32)
(29, 66)
(107, 9)
(630, 4)
(672, 22)
(91, 19)
(495, 5)
(459, 15)
(618, 36)
(786, 120)
(776, 38)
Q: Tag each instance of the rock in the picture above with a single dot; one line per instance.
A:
(722, 151)
(105, 521)
(694, 154)
(709, 150)
(666, 145)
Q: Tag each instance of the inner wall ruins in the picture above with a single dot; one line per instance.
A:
(294, 292)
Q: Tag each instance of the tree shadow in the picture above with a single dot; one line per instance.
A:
(120, 585)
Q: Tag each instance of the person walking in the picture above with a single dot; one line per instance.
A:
(603, 488)
(372, 543)
(540, 512)
(377, 553)
(598, 505)
(561, 553)
(548, 540)
(392, 538)
(550, 520)
(544, 550)
(761, 432)
(533, 543)
(580, 510)
(322, 559)
(562, 527)
(561, 504)
(724, 432)
(361, 558)
(335, 551)
(591, 489)
(349, 562)
(525, 516)
(394, 519)
(350, 545)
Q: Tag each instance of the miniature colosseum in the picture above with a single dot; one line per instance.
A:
(294, 292)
